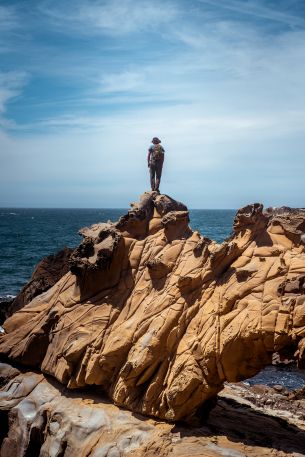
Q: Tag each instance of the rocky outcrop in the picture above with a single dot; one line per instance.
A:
(46, 273)
(158, 317)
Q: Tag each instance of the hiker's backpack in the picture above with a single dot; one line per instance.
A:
(157, 152)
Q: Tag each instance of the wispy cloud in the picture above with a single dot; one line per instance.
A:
(9, 25)
(221, 82)
(113, 17)
(8, 18)
(259, 9)
(189, 123)
(122, 82)
(222, 162)
(11, 84)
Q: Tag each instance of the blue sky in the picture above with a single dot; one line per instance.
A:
(85, 85)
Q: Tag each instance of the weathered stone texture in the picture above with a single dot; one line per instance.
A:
(159, 317)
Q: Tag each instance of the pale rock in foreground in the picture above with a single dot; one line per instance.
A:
(40, 417)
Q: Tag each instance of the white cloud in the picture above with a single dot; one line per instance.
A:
(227, 100)
(122, 82)
(210, 162)
(11, 84)
(258, 9)
(113, 17)
(191, 124)
(9, 26)
(8, 18)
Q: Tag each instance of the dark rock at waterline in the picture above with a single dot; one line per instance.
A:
(47, 272)
(280, 400)
(5, 303)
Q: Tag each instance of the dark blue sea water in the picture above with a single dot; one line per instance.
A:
(27, 235)
(287, 376)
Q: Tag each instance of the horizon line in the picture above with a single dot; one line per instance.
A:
(102, 208)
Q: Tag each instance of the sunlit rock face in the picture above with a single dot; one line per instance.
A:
(159, 317)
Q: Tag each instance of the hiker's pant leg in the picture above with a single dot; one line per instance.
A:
(159, 166)
(152, 171)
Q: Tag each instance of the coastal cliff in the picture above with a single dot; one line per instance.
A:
(157, 317)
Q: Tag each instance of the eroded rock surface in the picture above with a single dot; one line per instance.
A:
(159, 317)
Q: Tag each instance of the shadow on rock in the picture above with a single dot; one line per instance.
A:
(241, 424)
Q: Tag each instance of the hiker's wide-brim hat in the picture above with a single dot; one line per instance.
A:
(156, 140)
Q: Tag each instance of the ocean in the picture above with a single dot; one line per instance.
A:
(28, 235)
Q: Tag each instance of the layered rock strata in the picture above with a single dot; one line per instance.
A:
(158, 317)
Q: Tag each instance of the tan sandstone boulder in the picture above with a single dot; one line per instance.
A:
(159, 317)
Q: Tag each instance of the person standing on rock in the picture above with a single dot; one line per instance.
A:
(155, 161)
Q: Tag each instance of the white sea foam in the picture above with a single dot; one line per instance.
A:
(7, 297)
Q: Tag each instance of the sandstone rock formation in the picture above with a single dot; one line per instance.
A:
(159, 317)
